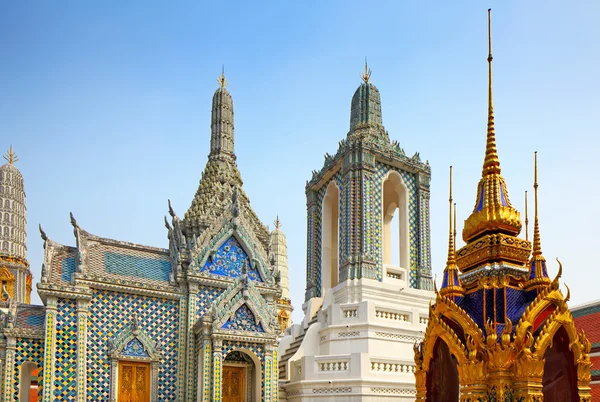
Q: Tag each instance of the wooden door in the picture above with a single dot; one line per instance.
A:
(234, 389)
(134, 382)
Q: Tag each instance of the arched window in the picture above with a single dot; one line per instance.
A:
(442, 378)
(7, 204)
(5, 246)
(330, 238)
(560, 373)
(6, 229)
(6, 217)
(395, 221)
(28, 384)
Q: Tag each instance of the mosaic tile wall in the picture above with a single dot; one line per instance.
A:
(65, 369)
(110, 313)
(206, 297)
(28, 350)
(228, 261)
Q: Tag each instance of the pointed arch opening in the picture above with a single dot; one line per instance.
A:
(241, 376)
(395, 221)
(28, 382)
(560, 373)
(330, 238)
(442, 378)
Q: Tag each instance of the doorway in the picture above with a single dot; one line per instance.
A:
(234, 384)
(134, 382)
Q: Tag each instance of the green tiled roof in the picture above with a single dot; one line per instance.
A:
(586, 311)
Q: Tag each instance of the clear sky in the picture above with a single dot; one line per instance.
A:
(107, 104)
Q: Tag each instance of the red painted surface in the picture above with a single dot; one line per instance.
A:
(590, 323)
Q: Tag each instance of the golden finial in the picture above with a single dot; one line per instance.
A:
(455, 227)
(10, 156)
(537, 243)
(367, 74)
(491, 162)
(221, 80)
(277, 223)
(451, 248)
(526, 219)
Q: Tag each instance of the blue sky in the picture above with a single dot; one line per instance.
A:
(108, 107)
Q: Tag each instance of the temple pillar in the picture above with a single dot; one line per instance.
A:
(424, 280)
(9, 369)
(206, 364)
(191, 346)
(421, 385)
(49, 349)
(313, 253)
(82, 321)
(268, 369)
(217, 369)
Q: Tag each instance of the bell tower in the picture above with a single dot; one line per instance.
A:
(353, 198)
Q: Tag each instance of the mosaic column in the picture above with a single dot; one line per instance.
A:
(206, 369)
(82, 320)
(312, 248)
(182, 348)
(268, 378)
(217, 365)
(190, 352)
(49, 350)
(154, 369)
(424, 280)
(9, 366)
(275, 376)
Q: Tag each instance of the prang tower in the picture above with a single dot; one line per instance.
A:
(15, 275)
(362, 311)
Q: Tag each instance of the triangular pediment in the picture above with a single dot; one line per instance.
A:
(229, 308)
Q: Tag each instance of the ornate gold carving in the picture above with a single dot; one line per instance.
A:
(10, 156)
(493, 247)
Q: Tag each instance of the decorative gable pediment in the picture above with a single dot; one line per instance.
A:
(242, 307)
(227, 252)
(133, 343)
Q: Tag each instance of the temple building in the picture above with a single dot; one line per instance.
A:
(500, 328)
(587, 318)
(197, 321)
(367, 291)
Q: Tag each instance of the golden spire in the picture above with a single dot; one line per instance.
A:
(454, 227)
(538, 273)
(10, 156)
(221, 80)
(450, 282)
(491, 163)
(367, 74)
(277, 223)
(526, 219)
(493, 212)
(537, 243)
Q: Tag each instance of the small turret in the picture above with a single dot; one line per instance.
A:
(366, 104)
(279, 262)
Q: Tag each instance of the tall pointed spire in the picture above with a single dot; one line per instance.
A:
(491, 163)
(451, 283)
(10, 156)
(538, 273)
(526, 219)
(493, 212)
(222, 140)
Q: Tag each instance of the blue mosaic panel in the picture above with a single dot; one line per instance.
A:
(243, 320)
(228, 261)
(110, 313)
(206, 297)
(68, 266)
(127, 264)
(65, 371)
(28, 350)
(135, 349)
